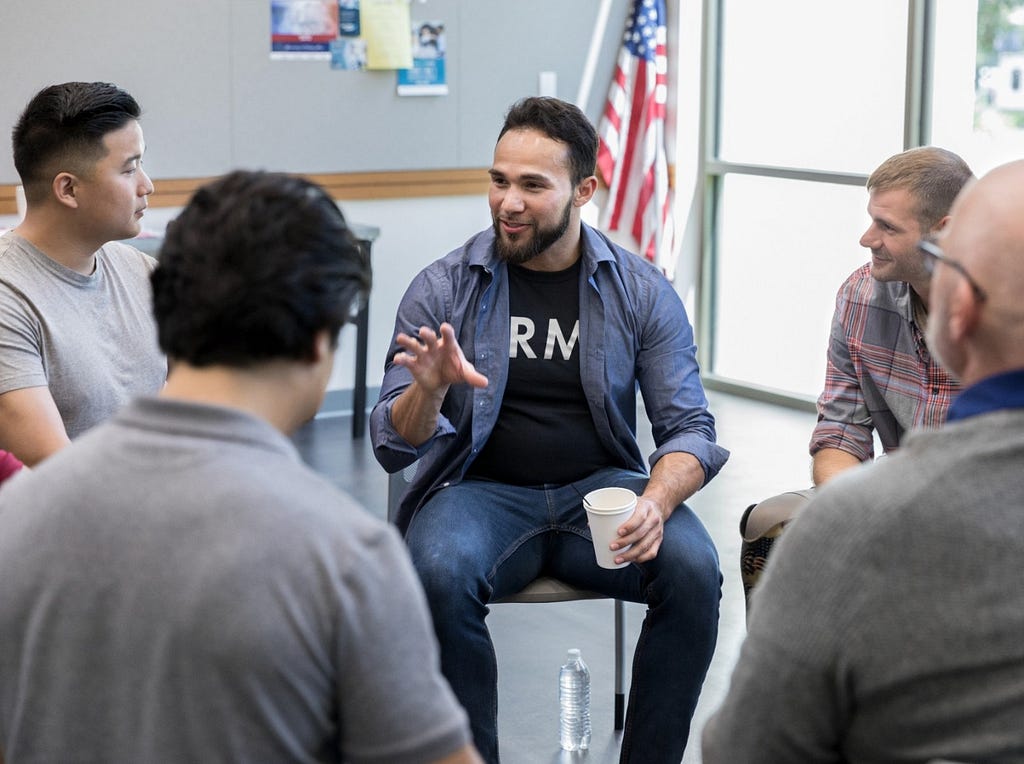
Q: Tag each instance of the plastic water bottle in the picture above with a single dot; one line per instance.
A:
(574, 703)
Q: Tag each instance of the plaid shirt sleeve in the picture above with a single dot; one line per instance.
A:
(844, 421)
(881, 377)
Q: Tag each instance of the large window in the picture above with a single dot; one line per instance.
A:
(977, 81)
(803, 99)
(779, 238)
(811, 84)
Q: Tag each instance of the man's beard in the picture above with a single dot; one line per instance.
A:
(541, 239)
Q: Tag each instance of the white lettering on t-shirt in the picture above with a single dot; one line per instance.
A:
(522, 329)
(555, 333)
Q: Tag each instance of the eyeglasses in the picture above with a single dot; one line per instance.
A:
(933, 254)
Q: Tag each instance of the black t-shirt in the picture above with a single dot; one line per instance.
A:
(544, 433)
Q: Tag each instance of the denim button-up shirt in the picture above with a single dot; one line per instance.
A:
(634, 334)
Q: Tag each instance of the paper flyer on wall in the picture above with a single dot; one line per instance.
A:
(348, 53)
(302, 29)
(385, 27)
(348, 18)
(426, 76)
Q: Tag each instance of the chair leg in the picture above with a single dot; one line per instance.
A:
(620, 665)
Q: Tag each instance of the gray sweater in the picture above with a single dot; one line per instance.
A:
(890, 623)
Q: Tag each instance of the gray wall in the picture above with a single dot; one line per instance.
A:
(214, 100)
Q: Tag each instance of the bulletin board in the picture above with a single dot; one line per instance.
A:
(214, 99)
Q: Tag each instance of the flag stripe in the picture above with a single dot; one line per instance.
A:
(631, 155)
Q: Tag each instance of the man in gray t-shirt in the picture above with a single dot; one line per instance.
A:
(77, 339)
(177, 585)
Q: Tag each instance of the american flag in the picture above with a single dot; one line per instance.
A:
(631, 155)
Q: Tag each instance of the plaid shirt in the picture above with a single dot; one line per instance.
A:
(880, 374)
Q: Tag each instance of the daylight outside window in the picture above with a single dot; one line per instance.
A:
(800, 103)
(978, 81)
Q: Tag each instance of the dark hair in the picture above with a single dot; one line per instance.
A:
(560, 121)
(252, 269)
(62, 129)
(933, 176)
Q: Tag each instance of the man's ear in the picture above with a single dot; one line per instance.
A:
(940, 225)
(964, 311)
(585, 191)
(65, 189)
(323, 346)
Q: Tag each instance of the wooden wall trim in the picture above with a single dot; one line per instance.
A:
(8, 206)
(175, 192)
(397, 184)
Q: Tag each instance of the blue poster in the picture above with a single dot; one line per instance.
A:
(426, 76)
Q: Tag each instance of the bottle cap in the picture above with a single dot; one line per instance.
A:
(574, 653)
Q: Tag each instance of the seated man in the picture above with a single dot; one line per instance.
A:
(880, 375)
(177, 585)
(887, 627)
(513, 377)
(77, 339)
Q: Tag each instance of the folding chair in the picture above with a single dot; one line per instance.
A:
(543, 589)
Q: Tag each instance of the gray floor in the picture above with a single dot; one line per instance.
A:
(769, 447)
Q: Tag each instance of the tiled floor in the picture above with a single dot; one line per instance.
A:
(769, 447)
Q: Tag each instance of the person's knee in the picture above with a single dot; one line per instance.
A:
(760, 528)
(449, 567)
(689, 563)
(766, 516)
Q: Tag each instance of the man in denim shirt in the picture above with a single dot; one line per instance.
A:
(513, 378)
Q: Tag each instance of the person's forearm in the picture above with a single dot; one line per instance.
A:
(31, 450)
(30, 425)
(415, 413)
(675, 478)
(829, 462)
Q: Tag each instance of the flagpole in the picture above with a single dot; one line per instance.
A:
(600, 23)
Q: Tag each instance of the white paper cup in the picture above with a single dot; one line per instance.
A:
(607, 509)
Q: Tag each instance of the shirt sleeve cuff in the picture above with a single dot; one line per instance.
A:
(393, 451)
(711, 456)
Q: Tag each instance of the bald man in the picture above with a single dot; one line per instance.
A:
(888, 626)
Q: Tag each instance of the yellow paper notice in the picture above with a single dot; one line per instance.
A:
(385, 27)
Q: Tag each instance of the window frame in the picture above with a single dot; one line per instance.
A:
(712, 171)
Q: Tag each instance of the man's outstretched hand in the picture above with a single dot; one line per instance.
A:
(437, 361)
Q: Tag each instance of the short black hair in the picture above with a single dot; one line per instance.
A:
(560, 121)
(254, 267)
(63, 127)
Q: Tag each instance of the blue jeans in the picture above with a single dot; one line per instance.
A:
(478, 541)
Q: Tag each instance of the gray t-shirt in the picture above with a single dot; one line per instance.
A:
(177, 586)
(90, 339)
